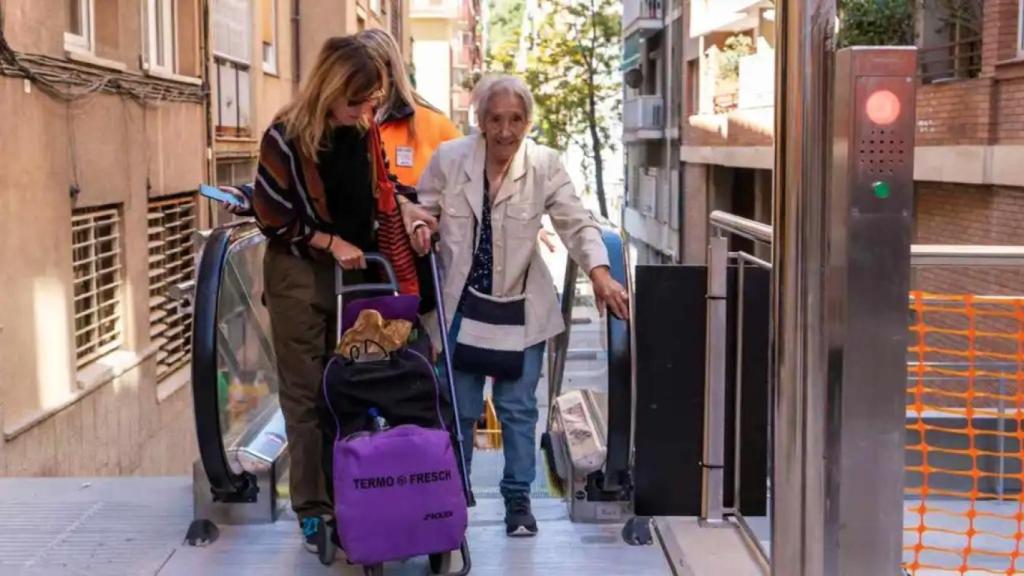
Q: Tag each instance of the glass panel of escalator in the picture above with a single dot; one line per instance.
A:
(247, 381)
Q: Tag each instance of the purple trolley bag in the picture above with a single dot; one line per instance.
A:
(403, 491)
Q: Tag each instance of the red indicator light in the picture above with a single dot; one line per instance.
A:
(883, 107)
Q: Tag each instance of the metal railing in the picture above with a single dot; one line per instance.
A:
(633, 10)
(953, 61)
(920, 254)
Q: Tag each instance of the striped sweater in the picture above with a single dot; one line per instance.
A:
(289, 201)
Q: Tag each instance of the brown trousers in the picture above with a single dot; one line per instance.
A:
(301, 300)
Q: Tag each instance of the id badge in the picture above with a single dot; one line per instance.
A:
(403, 156)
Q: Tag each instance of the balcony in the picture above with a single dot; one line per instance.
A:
(711, 16)
(643, 118)
(643, 17)
(735, 111)
(434, 9)
(757, 80)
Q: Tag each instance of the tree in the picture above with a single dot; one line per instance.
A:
(572, 68)
(876, 23)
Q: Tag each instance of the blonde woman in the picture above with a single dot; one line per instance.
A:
(321, 195)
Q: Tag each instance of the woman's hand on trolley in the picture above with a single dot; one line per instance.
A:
(609, 293)
(348, 256)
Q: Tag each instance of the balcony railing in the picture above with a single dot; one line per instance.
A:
(641, 15)
(643, 113)
(945, 62)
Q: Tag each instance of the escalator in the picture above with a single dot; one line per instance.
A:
(240, 477)
(598, 484)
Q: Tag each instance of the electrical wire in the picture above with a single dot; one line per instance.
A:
(69, 81)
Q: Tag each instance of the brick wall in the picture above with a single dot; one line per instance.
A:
(955, 113)
(740, 128)
(964, 214)
(985, 110)
(999, 31)
(1010, 110)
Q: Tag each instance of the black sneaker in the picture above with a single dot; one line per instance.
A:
(519, 520)
(318, 539)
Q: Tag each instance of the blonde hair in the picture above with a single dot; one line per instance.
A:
(400, 92)
(344, 70)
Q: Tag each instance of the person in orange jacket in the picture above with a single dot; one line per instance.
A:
(411, 127)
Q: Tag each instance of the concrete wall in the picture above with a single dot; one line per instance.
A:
(56, 419)
(432, 57)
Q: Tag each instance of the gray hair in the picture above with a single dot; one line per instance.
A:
(493, 84)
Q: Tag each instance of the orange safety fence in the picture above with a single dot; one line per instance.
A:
(965, 437)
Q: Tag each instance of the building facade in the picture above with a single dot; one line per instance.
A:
(446, 54)
(652, 48)
(105, 145)
(114, 112)
(261, 50)
(719, 96)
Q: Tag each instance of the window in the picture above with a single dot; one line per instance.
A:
(232, 54)
(232, 172)
(96, 261)
(235, 171)
(161, 35)
(269, 19)
(81, 26)
(171, 262)
(376, 6)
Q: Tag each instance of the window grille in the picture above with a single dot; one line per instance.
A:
(171, 262)
(96, 262)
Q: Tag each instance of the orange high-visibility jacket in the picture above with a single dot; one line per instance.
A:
(408, 156)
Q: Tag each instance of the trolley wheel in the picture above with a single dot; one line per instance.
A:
(375, 570)
(440, 563)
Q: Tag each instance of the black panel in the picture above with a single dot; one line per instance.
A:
(671, 318)
(755, 393)
(670, 322)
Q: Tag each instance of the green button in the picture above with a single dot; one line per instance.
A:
(882, 190)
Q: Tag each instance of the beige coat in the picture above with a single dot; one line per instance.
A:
(536, 184)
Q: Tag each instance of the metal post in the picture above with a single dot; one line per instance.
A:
(870, 225)
(713, 460)
(804, 34)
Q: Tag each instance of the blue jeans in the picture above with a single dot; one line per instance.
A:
(515, 402)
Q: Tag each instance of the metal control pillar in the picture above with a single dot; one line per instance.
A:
(867, 279)
(842, 226)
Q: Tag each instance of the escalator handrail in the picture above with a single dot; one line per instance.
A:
(224, 482)
(620, 376)
(620, 365)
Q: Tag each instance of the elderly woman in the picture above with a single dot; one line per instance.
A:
(491, 191)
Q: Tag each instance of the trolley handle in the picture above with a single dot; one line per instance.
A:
(372, 258)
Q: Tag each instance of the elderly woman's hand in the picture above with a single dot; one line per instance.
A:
(420, 225)
(545, 238)
(609, 293)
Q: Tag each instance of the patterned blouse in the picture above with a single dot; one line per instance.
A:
(481, 276)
